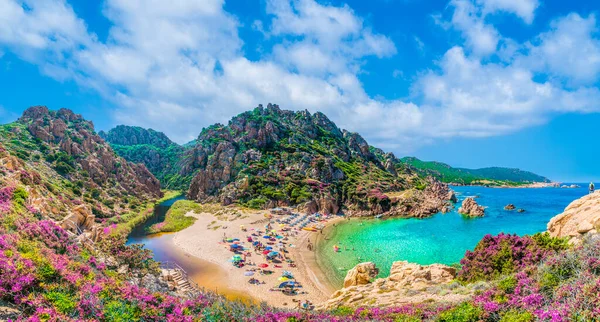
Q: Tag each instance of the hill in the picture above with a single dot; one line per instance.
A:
(155, 150)
(493, 176)
(270, 157)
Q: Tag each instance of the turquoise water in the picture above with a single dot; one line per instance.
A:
(443, 238)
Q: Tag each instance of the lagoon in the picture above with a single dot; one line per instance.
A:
(442, 238)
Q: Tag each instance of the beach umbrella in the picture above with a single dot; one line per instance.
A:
(287, 284)
(278, 237)
(287, 274)
(267, 237)
(263, 265)
(271, 254)
(268, 248)
(235, 239)
(283, 279)
(236, 258)
(249, 273)
(266, 252)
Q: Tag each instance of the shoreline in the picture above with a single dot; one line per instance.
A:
(200, 239)
(535, 185)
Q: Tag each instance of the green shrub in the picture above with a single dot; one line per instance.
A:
(63, 302)
(544, 240)
(119, 311)
(343, 311)
(465, 312)
(257, 203)
(20, 196)
(508, 285)
(516, 316)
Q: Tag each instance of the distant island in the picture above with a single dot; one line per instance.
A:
(490, 177)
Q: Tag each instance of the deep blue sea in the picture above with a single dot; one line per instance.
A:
(443, 238)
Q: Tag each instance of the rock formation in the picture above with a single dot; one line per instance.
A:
(470, 208)
(580, 218)
(361, 274)
(407, 283)
(510, 207)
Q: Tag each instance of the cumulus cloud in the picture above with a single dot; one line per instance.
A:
(525, 9)
(570, 50)
(178, 67)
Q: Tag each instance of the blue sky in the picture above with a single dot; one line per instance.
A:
(473, 83)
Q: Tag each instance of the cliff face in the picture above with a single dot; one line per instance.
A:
(59, 162)
(155, 150)
(580, 218)
(271, 157)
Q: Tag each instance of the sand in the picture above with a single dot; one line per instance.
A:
(203, 240)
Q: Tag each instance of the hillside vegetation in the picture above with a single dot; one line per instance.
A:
(155, 150)
(493, 176)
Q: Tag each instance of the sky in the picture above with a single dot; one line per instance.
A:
(472, 83)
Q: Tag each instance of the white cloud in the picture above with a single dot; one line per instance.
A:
(477, 99)
(481, 38)
(178, 67)
(569, 50)
(525, 9)
(34, 26)
(323, 39)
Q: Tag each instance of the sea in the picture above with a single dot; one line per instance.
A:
(442, 238)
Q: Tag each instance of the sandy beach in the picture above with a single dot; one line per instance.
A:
(204, 240)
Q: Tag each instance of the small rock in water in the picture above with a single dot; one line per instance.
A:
(521, 210)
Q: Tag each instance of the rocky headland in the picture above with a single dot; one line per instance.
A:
(581, 218)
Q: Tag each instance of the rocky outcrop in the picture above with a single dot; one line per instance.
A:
(361, 274)
(470, 208)
(510, 207)
(67, 132)
(82, 223)
(407, 283)
(580, 218)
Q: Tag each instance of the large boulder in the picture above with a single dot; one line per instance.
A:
(409, 274)
(581, 217)
(361, 274)
(470, 208)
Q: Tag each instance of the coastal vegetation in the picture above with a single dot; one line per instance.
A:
(177, 218)
(493, 176)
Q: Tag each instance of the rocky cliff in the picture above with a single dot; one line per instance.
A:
(407, 283)
(59, 163)
(271, 157)
(580, 218)
(155, 150)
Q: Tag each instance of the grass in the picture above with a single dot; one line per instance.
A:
(128, 221)
(176, 218)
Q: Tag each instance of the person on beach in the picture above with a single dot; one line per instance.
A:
(592, 188)
(310, 246)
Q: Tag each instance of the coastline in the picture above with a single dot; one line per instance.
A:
(536, 185)
(200, 239)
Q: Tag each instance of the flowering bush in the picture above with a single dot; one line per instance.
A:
(504, 254)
